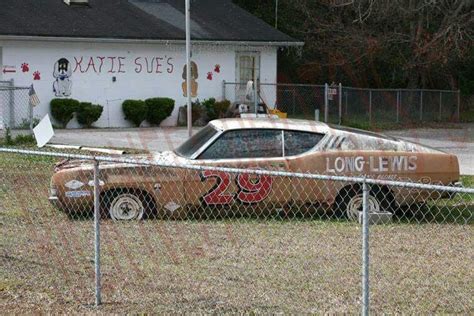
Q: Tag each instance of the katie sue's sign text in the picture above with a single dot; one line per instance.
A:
(120, 64)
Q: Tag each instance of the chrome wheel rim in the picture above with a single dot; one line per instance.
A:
(354, 207)
(126, 207)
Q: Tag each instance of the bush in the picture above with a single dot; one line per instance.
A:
(21, 139)
(88, 113)
(135, 111)
(221, 107)
(158, 109)
(63, 110)
(208, 105)
(215, 109)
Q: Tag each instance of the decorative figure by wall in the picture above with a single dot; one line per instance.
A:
(194, 76)
(36, 75)
(25, 67)
(62, 73)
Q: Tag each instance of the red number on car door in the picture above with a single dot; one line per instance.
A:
(251, 188)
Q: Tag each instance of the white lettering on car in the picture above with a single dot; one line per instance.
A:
(377, 164)
(77, 194)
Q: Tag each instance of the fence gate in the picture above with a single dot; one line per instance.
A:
(15, 109)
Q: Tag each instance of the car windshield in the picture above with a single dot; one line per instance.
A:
(189, 147)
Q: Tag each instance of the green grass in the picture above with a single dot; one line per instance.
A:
(294, 266)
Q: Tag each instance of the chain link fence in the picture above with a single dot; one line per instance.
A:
(16, 111)
(353, 106)
(157, 234)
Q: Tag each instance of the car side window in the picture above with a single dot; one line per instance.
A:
(297, 142)
(246, 143)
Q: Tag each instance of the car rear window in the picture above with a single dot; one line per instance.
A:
(246, 143)
(297, 143)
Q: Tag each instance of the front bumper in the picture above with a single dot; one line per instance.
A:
(54, 200)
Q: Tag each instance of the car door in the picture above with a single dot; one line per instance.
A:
(303, 155)
(242, 148)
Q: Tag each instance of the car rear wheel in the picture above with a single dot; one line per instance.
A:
(349, 202)
(126, 207)
(355, 206)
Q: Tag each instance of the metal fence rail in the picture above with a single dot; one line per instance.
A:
(176, 237)
(357, 106)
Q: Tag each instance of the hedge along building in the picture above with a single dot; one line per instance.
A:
(107, 51)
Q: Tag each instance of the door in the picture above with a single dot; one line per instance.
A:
(247, 67)
(249, 149)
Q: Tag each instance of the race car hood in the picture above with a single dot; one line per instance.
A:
(166, 158)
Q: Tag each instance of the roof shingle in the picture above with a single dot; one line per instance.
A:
(213, 20)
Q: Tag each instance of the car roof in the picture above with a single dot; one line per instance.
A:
(270, 123)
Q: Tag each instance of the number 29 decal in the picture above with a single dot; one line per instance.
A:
(251, 189)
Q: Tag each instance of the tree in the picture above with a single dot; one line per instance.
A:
(378, 43)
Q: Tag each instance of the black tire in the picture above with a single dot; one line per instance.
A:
(349, 202)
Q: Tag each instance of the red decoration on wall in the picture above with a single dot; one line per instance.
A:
(37, 75)
(217, 68)
(209, 75)
(25, 67)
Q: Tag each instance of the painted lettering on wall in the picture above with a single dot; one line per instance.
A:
(375, 164)
(120, 64)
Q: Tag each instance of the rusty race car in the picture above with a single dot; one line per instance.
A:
(131, 191)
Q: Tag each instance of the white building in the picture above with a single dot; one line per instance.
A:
(109, 51)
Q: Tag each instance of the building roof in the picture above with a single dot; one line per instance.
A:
(211, 20)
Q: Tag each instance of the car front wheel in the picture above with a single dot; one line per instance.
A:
(126, 207)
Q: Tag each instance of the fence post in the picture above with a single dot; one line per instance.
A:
(459, 106)
(223, 89)
(370, 107)
(11, 101)
(421, 105)
(30, 114)
(326, 102)
(365, 249)
(340, 103)
(98, 298)
(398, 106)
(440, 105)
(345, 111)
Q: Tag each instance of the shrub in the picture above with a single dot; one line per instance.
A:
(21, 139)
(135, 111)
(88, 113)
(221, 107)
(63, 110)
(208, 105)
(158, 109)
(215, 109)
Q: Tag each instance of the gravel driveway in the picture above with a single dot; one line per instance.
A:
(459, 141)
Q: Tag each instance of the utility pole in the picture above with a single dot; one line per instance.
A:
(188, 69)
(276, 14)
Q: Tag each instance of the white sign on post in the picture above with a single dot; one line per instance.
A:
(43, 131)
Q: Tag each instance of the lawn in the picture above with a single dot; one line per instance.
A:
(230, 265)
